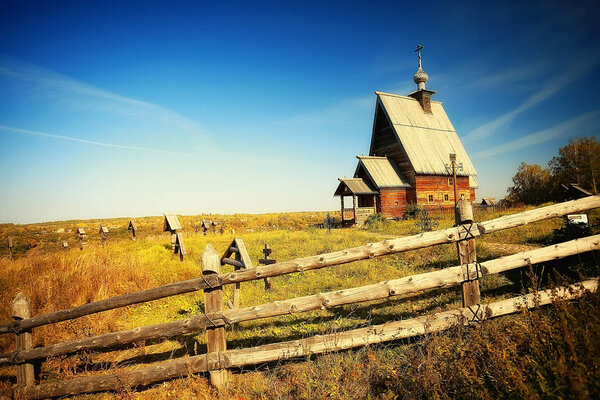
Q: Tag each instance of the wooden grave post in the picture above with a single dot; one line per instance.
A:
(11, 246)
(82, 237)
(213, 224)
(179, 246)
(213, 303)
(103, 234)
(173, 226)
(204, 227)
(132, 228)
(241, 261)
(21, 309)
(467, 255)
(267, 261)
(327, 223)
(65, 245)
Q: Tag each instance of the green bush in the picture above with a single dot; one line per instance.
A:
(376, 219)
(413, 211)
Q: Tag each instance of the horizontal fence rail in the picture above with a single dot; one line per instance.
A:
(443, 278)
(386, 247)
(389, 331)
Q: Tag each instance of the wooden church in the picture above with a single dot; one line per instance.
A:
(409, 161)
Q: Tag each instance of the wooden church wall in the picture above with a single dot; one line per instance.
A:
(438, 186)
(392, 202)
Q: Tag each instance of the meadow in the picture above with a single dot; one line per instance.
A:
(548, 353)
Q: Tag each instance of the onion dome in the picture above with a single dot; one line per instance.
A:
(420, 78)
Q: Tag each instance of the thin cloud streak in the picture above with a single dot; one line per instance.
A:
(562, 129)
(549, 90)
(79, 140)
(52, 82)
(340, 111)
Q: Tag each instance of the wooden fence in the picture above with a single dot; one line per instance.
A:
(218, 359)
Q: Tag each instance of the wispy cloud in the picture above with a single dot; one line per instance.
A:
(570, 126)
(343, 110)
(79, 140)
(549, 89)
(82, 95)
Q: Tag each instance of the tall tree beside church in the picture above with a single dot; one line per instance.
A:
(578, 162)
(532, 185)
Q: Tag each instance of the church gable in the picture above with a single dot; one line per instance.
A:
(384, 142)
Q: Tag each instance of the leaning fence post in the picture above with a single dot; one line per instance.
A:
(467, 255)
(213, 302)
(21, 309)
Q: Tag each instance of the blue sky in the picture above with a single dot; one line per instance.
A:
(125, 108)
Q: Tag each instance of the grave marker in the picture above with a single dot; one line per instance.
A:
(82, 237)
(11, 246)
(267, 261)
(241, 261)
(103, 234)
(173, 226)
(132, 228)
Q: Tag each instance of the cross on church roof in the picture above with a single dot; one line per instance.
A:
(418, 51)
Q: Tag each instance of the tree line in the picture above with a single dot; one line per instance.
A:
(578, 163)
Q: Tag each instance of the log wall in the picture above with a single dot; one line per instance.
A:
(392, 202)
(439, 186)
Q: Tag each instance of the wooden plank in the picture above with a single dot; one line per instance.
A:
(213, 302)
(467, 254)
(408, 285)
(385, 247)
(540, 214)
(400, 329)
(21, 309)
(243, 252)
(302, 347)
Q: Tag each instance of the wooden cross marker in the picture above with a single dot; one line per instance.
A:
(267, 261)
(11, 246)
(328, 223)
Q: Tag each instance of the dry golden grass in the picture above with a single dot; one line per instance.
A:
(437, 367)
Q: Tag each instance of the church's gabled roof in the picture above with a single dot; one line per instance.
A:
(427, 139)
(383, 172)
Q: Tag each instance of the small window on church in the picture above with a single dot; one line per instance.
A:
(430, 197)
(446, 198)
(450, 181)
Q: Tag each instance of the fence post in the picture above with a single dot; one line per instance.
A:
(213, 302)
(467, 254)
(21, 309)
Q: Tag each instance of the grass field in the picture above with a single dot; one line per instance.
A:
(549, 353)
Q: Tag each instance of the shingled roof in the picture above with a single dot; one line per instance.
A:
(427, 139)
(383, 172)
(353, 186)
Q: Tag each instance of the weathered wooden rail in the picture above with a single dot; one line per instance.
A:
(218, 358)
